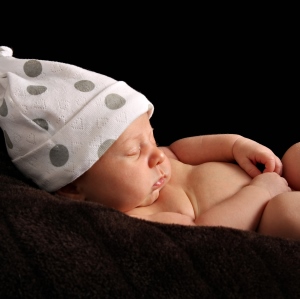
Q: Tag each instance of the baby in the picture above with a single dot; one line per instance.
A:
(88, 137)
(192, 182)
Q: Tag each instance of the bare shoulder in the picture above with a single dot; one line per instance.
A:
(168, 152)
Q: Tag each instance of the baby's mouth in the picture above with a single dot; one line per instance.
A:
(160, 182)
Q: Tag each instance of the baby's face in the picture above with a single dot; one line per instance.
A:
(131, 173)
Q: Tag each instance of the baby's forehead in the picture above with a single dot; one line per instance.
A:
(139, 128)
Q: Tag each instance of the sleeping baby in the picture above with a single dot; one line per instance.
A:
(88, 137)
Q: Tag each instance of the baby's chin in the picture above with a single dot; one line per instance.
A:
(149, 200)
(155, 195)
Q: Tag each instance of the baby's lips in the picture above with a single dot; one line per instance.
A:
(160, 182)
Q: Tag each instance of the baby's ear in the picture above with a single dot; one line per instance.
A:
(71, 191)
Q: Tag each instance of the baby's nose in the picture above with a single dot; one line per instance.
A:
(157, 157)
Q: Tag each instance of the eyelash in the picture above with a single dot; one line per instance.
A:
(135, 152)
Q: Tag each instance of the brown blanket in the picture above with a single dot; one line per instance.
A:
(51, 247)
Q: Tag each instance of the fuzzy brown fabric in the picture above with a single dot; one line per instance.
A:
(51, 247)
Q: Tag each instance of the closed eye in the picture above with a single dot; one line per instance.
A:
(134, 151)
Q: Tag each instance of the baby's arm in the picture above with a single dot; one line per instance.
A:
(227, 148)
(244, 209)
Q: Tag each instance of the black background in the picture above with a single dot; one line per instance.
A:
(235, 74)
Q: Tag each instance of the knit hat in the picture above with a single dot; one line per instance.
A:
(59, 119)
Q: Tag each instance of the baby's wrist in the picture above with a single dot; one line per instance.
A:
(236, 145)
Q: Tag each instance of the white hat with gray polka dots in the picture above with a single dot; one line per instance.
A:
(58, 119)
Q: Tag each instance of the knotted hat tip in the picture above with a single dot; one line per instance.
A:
(6, 51)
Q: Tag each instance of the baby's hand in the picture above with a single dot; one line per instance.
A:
(249, 153)
(274, 183)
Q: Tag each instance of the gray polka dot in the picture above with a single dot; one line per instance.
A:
(114, 101)
(84, 85)
(3, 108)
(7, 140)
(32, 68)
(104, 146)
(36, 89)
(42, 123)
(59, 155)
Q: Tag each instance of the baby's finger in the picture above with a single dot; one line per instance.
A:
(273, 164)
(278, 166)
(250, 168)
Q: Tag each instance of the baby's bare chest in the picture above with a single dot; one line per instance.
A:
(202, 186)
